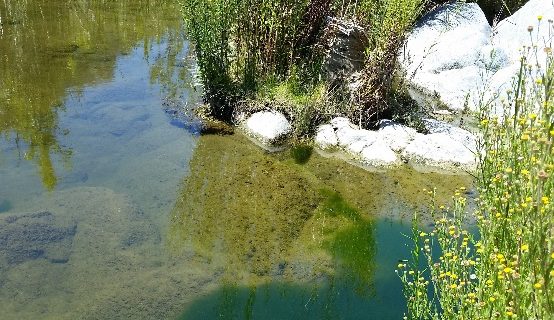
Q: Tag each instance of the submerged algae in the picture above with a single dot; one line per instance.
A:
(266, 221)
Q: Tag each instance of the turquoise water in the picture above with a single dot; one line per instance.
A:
(112, 206)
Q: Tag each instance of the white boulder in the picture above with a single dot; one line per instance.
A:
(379, 154)
(468, 139)
(270, 127)
(511, 36)
(442, 53)
(512, 33)
(348, 135)
(441, 152)
(326, 137)
(395, 135)
(446, 149)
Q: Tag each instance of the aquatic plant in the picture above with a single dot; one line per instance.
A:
(506, 270)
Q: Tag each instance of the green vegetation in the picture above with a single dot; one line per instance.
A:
(276, 59)
(508, 271)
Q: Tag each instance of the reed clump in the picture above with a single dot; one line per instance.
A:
(247, 48)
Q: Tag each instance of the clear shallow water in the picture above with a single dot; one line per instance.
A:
(111, 209)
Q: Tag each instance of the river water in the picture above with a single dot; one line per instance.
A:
(112, 206)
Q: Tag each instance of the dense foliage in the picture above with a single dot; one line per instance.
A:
(246, 48)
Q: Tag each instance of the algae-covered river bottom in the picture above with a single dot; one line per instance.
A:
(113, 207)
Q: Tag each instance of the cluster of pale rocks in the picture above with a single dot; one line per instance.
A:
(452, 56)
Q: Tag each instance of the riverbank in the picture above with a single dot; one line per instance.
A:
(454, 86)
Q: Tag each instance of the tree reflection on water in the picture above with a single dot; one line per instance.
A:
(50, 48)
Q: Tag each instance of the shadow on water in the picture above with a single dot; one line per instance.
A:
(5, 205)
(301, 153)
(59, 47)
(344, 291)
(293, 241)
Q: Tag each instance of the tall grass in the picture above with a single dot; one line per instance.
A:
(389, 23)
(507, 271)
(244, 45)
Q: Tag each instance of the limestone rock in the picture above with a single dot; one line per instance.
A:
(442, 53)
(512, 34)
(396, 136)
(463, 136)
(441, 152)
(379, 154)
(351, 138)
(325, 137)
(270, 127)
(346, 48)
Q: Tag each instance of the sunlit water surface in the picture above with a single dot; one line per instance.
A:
(113, 207)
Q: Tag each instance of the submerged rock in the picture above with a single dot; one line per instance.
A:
(269, 127)
(31, 236)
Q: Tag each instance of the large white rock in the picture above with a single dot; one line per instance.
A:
(449, 37)
(367, 146)
(441, 152)
(443, 53)
(348, 136)
(468, 139)
(395, 135)
(340, 123)
(446, 148)
(365, 139)
(326, 137)
(270, 127)
(379, 154)
(512, 34)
